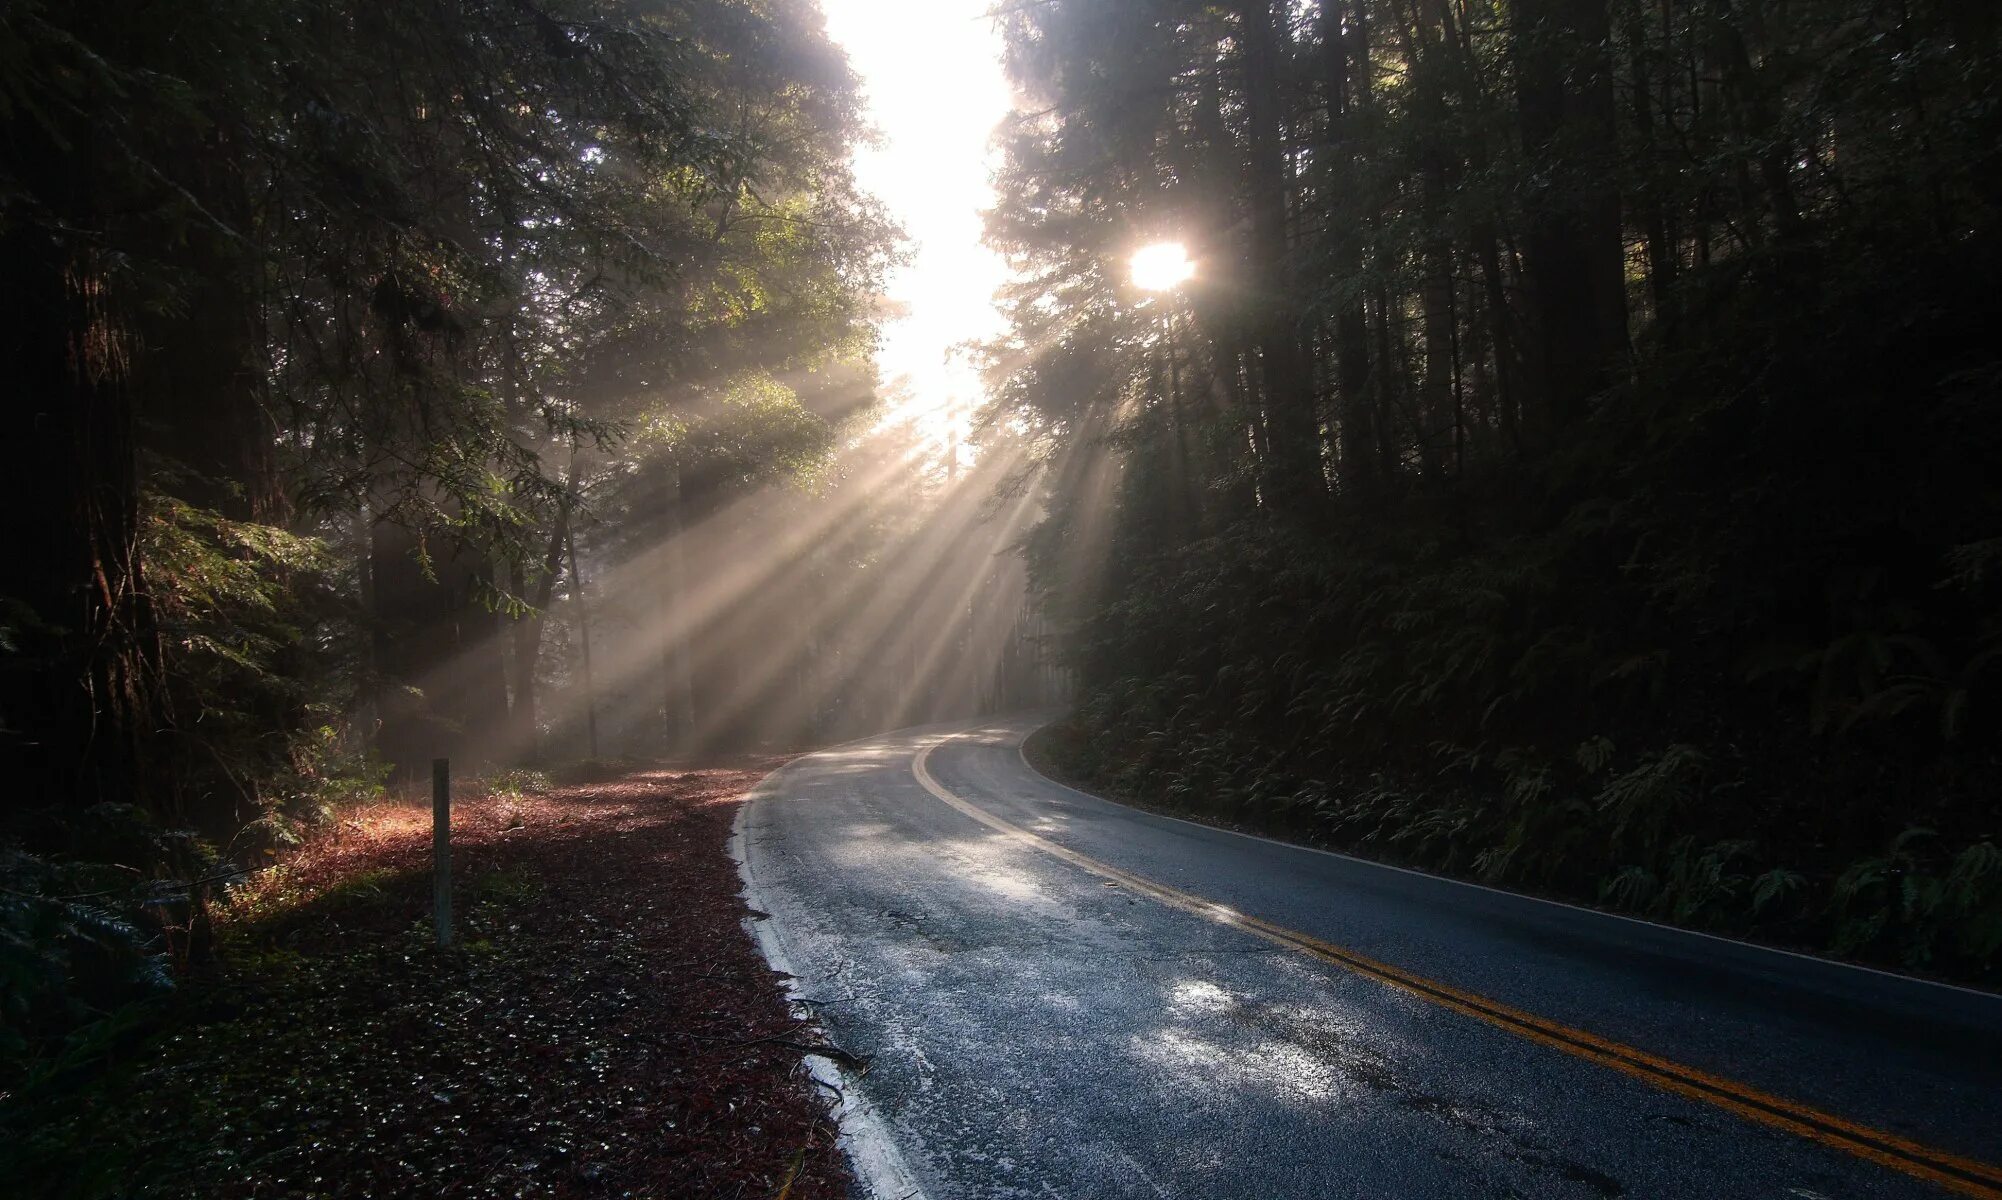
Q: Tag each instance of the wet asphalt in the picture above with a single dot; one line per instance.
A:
(1034, 1032)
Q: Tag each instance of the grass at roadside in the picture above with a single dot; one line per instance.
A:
(605, 1026)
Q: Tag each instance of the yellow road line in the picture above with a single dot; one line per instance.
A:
(1965, 1176)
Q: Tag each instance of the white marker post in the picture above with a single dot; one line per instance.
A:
(441, 848)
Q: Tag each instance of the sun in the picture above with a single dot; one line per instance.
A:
(1162, 266)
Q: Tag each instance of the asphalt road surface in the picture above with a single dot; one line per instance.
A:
(1059, 996)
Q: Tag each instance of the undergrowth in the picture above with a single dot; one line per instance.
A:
(1732, 660)
(582, 1036)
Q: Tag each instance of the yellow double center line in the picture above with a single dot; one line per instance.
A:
(1953, 1172)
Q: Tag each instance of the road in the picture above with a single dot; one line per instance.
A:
(1063, 997)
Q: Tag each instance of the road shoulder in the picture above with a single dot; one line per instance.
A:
(603, 1026)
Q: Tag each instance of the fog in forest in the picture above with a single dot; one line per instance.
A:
(1550, 444)
(875, 584)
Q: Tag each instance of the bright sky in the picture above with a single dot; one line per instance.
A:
(932, 70)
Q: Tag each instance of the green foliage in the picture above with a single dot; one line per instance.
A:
(264, 907)
(349, 312)
(1211, 701)
(1379, 686)
(508, 887)
(517, 782)
(753, 428)
(1645, 802)
(1915, 900)
(1656, 558)
(84, 952)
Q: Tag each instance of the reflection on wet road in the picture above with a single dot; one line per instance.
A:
(1065, 997)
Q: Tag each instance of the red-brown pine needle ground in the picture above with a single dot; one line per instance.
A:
(605, 1028)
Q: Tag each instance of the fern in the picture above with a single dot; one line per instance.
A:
(76, 963)
(1594, 755)
(1645, 801)
(1633, 889)
(1777, 884)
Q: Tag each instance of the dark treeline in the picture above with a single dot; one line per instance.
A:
(1574, 462)
(487, 379)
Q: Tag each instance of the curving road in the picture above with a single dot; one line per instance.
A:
(1063, 997)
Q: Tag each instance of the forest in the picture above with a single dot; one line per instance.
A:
(488, 381)
(1548, 443)
(1571, 463)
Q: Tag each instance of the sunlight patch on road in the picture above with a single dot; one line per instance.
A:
(1967, 1176)
(995, 865)
(1279, 1068)
(1018, 886)
(1199, 996)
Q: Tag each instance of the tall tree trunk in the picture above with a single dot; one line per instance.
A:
(583, 635)
(1484, 237)
(1345, 46)
(1215, 308)
(1388, 378)
(678, 658)
(438, 647)
(203, 374)
(1293, 479)
(78, 721)
(79, 704)
(524, 713)
(1186, 505)
(1501, 336)
(1755, 116)
(1437, 399)
(1663, 257)
(1573, 250)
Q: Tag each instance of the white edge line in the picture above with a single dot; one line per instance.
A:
(879, 1166)
(1021, 752)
